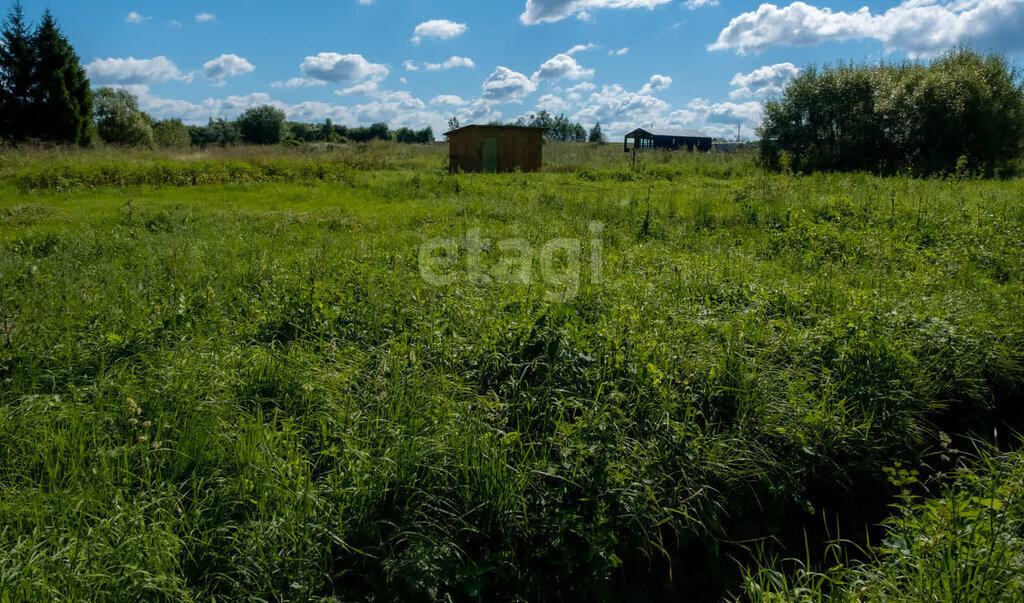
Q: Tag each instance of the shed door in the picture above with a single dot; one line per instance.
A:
(490, 155)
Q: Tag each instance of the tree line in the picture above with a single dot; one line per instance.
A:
(556, 129)
(120, 121)
(962, 111)
(45, 95)
(560, 129)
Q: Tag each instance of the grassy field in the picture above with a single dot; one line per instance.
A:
(224, 376)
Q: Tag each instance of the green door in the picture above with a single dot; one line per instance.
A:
(490, 155)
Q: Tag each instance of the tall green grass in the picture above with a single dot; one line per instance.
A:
(961, 544)
(245, 390)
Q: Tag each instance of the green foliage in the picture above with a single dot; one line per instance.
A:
(245, 389)
(961, 107)
(118, 119)
(558, 129)
(219, 132)
(17, 65)
(171, 133)
(262, 125)
(45, 91)
(966, 544)
(377, 131)
(596, 135)
(301, 131)
(409, 136)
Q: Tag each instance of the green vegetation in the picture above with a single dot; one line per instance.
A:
(556, 129)
(118, 119)
(44, 92)
(262, 125)
(171, 133)
(962, 112)
(223, 376)
(964, 545)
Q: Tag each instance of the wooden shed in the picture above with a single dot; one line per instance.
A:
(494, 149)
(669, 140)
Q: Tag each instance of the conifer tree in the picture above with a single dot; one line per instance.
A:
(62, 100)
(17, 66)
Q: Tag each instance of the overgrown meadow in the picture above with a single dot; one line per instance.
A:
(225, 378)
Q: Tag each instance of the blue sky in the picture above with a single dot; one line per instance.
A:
(697, 64)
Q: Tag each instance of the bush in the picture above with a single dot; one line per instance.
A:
(964, 107)
(171, 133)
(262, 125)
(963, 545)
(118, 119)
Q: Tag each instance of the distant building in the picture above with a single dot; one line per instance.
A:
(493, 149)
(729, 147)
(668, 140)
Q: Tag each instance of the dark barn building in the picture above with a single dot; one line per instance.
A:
(493, 149)
(668, 140)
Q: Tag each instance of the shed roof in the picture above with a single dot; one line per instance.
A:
(478, 126)
(669, 133)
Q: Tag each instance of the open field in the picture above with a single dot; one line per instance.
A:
(224, 374)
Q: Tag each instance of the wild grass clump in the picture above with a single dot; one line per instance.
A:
(72, 175)
(963, 544)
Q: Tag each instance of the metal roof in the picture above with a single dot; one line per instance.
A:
(471, 126)
(670, 133)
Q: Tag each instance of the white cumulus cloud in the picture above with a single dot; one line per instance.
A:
(130, 70)
(448, 99)
(548, 11)
(919, 27)
(298, 82)
(507, 85)
(562, 66)
(657, 83)
(134, 17)
(452, 63)
(341, 68)
(580, 48)
(205, 18)
(763, 81)
(442, 29)
(225, 66)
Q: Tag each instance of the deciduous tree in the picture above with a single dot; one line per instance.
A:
(262, 125)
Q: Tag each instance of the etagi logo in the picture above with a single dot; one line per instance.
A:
(559, 262)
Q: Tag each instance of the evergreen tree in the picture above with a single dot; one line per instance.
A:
(596, 135)
(62, 100)
(17, 64)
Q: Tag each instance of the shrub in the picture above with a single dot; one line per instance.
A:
(171, 133)
(262, 125)
(118, 119)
